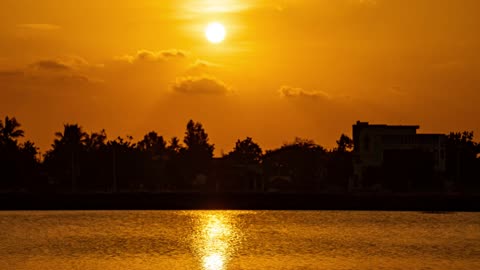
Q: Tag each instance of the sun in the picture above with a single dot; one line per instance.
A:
(215, 32)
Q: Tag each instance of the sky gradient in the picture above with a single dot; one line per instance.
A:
(307, 68)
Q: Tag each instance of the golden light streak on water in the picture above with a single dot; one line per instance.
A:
(230, 240)
(214, 244)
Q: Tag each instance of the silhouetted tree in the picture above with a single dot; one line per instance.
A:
(340, 164)
(462, 162)
(10, 130)
(300, 165)
(198, 152)
(18, 162)
(127, 166)
(80, 161)
(154, 155)
(344, 144)
(29, 149)
(246, 152)
(240, 169)
(174, 165)
(63, 160)
(174, 146)
(95, 163)
(152, 143)
(196, 140)
(28, 165)
(72, 136)
(95, 141)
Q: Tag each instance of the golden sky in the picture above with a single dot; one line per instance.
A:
(287, 68)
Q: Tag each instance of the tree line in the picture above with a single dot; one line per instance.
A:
(79, 161)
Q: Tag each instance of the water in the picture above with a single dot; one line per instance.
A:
(220, 240)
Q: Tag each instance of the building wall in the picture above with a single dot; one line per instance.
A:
(371, 142)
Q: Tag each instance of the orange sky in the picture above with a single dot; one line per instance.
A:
(307, 68)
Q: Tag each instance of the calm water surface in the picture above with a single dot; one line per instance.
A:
(220, 240)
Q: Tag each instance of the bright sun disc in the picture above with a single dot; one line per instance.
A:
(215, 32)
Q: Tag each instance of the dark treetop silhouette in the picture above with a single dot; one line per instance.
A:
(89, 163)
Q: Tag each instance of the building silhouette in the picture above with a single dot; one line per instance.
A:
(395, 157)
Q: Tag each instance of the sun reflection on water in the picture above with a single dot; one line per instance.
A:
(216, 239)
(214, 261)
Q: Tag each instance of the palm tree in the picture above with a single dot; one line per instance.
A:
(72, 136)
(10, 130)
(95, 140)
(72, 140)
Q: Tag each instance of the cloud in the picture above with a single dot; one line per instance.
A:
(149, 56)
(200, 66)
(76, 78)
(52, 65)
(200, 85)
(65, 63)
(74, 61)
(39, 26)
(30, 77)
(63, 71)
(296, 92)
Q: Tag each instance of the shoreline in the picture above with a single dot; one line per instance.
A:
(241, 201)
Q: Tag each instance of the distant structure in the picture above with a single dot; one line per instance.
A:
(396, 157)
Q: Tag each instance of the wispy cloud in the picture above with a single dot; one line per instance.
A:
(201, 66)
(51, 65)
(149, 56)
(64, 63)
(293, 92)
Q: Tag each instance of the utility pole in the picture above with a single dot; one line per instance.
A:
(114, 171)
(458, 175)
(73, 173)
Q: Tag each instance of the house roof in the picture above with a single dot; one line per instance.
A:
(366, 124)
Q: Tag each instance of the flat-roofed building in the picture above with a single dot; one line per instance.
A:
(385, 152)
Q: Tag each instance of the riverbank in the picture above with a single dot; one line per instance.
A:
(241, 201)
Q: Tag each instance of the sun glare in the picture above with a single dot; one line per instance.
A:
(215, 32)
